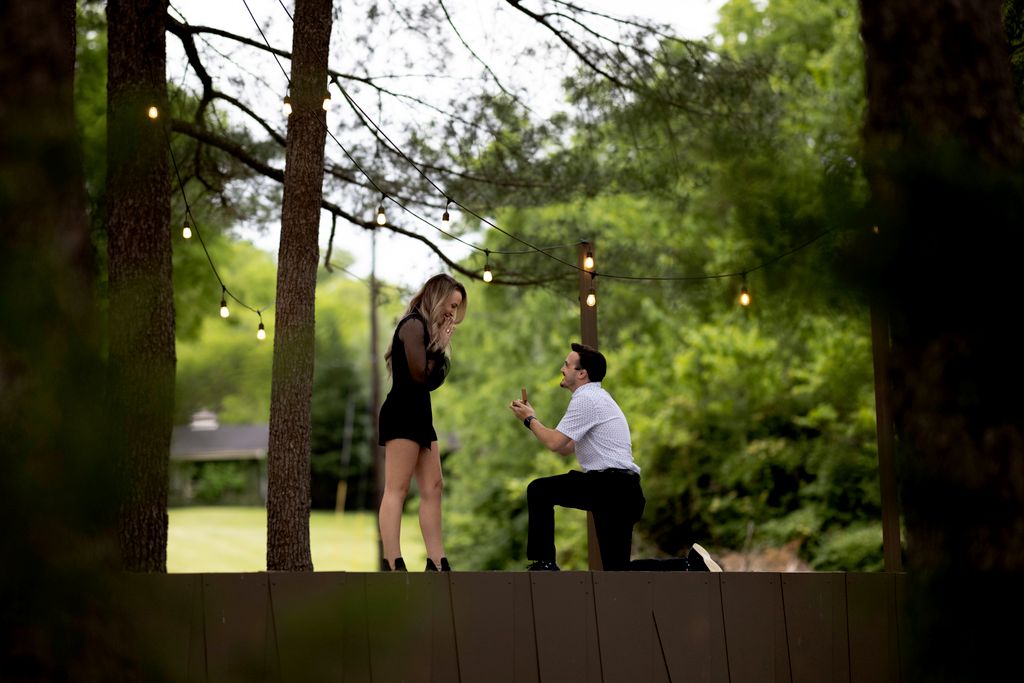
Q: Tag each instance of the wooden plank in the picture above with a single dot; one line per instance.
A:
(444, 656)
(871, 610)
(355, 649)
(625, 626)
(482, 604)
(400, 625)
(235, 608)
(560, 604)
(902, 625)
(688, 620)
(752, 605)
(307, 623)
(524, 636)
(592, 653)
(817, 652)
(158, 613)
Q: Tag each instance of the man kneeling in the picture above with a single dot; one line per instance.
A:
(595, 429)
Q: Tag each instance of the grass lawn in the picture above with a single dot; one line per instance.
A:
(234, 539)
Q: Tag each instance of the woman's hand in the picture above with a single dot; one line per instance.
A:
(447, 329)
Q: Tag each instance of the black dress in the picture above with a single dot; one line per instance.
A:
(406, 411)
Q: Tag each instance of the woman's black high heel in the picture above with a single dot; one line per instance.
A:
(399, 565)
(431, 567)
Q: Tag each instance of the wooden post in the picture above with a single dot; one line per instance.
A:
(588, 335)
(375, 449)
(884, 426)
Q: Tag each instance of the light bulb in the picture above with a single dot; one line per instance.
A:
(381, 219)
(445, 218)
(261, 332)
(153, 112)
(224, 312)
(488, 276)
(592, 299)
(327, 100)
(186, 230)
(287, 105)
(744, 297)
(588, 261)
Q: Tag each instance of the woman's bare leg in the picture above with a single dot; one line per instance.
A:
(400, 458)
(430, 482)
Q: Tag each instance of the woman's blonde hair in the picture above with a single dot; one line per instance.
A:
(430, 301)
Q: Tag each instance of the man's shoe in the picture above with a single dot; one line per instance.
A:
(543, 566)
(699, 560)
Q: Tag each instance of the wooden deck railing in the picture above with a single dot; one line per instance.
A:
(632, 627)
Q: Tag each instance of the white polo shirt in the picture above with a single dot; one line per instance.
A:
(597, 425)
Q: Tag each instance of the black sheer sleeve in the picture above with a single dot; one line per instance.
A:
(438, 370)
(414, 339)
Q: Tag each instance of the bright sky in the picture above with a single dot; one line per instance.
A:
(495, 32)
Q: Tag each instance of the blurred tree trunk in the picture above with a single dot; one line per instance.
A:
(55, 470)
(944, 146)
(288, 488)
(142, 355)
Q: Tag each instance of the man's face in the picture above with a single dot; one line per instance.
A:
(571, 372)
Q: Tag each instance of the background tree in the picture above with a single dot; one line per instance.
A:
(141, 299)
(945, 145)
(288, 498)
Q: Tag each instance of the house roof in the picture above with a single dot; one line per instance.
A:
(234, 442)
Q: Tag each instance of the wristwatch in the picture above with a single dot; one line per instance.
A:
(528, 420)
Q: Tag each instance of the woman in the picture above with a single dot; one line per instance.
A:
(418, 362)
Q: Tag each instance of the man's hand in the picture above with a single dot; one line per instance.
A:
(522, 409)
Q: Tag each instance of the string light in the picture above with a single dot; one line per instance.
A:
(153, 112)
(592, 298)
(488, 276)
(445, 217)
(261, 331)
(381, 218)
(186, 230)
(327, 100)
(224, 312)
(744, 292)
(588, 261)
(287, 105)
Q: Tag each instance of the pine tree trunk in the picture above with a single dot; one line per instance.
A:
(288, 485)
(944, 146)
(55, 492)
(142, 354)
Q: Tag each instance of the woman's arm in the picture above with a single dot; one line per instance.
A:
(414, 339)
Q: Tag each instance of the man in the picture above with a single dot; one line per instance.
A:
(595, 429)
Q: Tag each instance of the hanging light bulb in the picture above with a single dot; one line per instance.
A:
(153, 112)
(287, 105)
(327, 100)
(744, 292)
(588, 261)
(381, 218)
(224, 312)
(186, 230)
(261, 332)
(592, 298)
(488, 276)
(445, 218)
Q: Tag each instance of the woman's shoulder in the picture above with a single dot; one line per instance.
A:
(404, 325)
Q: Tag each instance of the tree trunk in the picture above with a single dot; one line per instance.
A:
(288, 488)
(142, 355)
(55, 472)
(944, 146)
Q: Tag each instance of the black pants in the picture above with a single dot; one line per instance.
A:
(613, 496)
